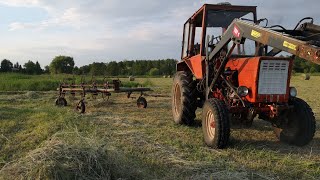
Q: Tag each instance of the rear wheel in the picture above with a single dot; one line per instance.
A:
(61, 101)
(142, 102)
(183, 98)
(215, 123)
(299, 127)
(81, 107)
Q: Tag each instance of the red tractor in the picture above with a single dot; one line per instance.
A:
(232, 68)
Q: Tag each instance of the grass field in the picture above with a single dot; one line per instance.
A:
(114, 139)
(46, 82)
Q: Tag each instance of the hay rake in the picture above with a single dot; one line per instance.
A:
(94, 88)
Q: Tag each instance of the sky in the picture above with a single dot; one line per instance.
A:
(105, 30)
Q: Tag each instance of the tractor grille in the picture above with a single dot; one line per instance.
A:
(273, 77)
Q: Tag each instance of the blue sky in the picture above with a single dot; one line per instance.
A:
(105, 30)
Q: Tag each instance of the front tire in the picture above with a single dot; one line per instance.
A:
(183, 98)
(215, 123)
(300, 126)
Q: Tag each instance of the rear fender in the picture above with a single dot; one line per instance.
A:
(193, 64)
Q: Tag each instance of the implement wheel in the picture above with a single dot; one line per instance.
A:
(142, 102)
(61, 102)
(299, 127)
(81, 107)
(215, 123)
(183, 98)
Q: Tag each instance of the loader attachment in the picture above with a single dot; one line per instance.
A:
(303, 42)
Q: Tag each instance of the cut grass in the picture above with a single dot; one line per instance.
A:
(146, 144)
(67, 155)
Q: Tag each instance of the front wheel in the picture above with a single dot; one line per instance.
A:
(299, 127)
(215, 123)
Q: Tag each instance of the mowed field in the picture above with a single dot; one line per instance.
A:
(114, 139)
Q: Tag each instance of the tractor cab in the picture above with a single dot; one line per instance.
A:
(212, 20)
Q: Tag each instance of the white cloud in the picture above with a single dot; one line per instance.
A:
(71, 17)
(20, 2)
(114, 29)
(78, 13)
(17, 26)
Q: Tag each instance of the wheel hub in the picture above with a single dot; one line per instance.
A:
(210, 124)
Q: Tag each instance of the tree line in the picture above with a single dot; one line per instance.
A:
(28, 68)
(303, 66)
(127, 68)
(66, 65)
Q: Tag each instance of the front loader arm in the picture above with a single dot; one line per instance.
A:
(240, 30)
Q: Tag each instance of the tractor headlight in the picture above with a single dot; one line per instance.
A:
(242, 91)
(293, 92)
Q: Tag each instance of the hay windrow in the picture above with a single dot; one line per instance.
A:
(64, 156)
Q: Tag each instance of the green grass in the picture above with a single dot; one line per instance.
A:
(22, 82)
(145, 143)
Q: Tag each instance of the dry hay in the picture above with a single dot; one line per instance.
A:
(167, 76)
(230, 174)
(131, 78)
(306, 76)
(101, 103)
(64, 156)
(31, 95)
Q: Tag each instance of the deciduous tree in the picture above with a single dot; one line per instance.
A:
(6, 65)
(62, 64)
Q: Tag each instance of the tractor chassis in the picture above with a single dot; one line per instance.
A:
(265, 111)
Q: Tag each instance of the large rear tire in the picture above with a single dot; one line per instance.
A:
(183, 98)
(300, 126)
(215, 123)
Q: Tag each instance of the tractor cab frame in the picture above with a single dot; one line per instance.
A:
(206, 21)
(210, 20)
